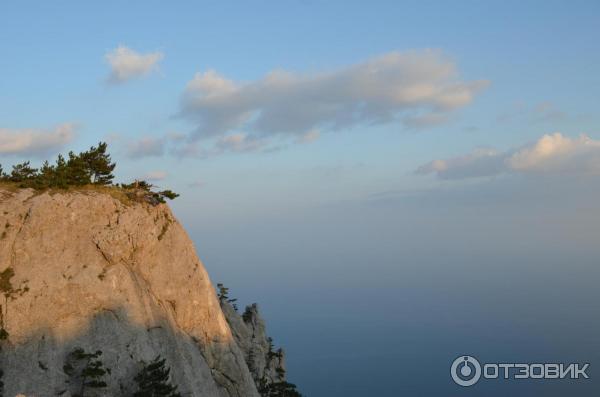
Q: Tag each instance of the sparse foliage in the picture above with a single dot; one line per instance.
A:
(22, 172)
(248, 313)
(143, 190)
(223, 293)
(154, 380)
(223, 296)
(278, 389)
(86, 371)
(91, 167)
(99, 165)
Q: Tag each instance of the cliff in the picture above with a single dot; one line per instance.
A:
(89, 270)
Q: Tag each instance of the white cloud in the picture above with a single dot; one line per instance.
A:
(427, 120)
(231, 143)
(36, 142)
(417, 88)
(558, 154)
(147, 147)
(480, 162)
(239, 143)
(551, 154)
(126, 64)
(155, 176)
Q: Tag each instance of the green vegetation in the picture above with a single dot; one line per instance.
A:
(92, 168)
(145, 189)
(274, 358)
(248, 313)
(85, 371)
(271, 354)
(278, 389)
(153, 380)
(223, 296)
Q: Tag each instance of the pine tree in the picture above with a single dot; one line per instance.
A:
(78, 173)
(149, 195)
(99, 164)
(60, 178)
(93, 166)
(22, 172)
(171, 195)
(86, 370)
(46, 175)
(247, 315)
(278, 389)
(223, 293)
(153, 380)
(223, 296)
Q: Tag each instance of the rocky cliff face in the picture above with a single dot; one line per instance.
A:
(266, 364)
(84, 269)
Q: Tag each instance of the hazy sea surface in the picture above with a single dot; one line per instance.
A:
(379, 299)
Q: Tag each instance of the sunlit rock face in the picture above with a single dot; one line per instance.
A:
(85, 269)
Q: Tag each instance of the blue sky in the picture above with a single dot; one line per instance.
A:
(54, 71)
(371, 182)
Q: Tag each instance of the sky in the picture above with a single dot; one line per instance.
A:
(351, 166)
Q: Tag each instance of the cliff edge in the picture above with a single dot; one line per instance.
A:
(84, 269)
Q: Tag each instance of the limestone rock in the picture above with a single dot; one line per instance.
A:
(84, 269)
(266, 364)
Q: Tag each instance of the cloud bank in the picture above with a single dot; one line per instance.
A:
(415, 89)
(551, 154)
(35, 142)
(147, 147)
(126, 64)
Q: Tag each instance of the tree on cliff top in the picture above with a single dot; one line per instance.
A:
(22, 172)
(150, 196)
(92, 167)
(98, 162)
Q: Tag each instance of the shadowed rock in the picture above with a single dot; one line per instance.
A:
(89, 270)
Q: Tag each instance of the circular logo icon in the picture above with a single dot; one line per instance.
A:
(465, 371)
